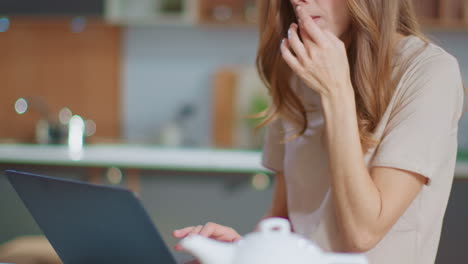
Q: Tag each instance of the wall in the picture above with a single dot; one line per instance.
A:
(456, 43)
(45, 58)
(166, 67)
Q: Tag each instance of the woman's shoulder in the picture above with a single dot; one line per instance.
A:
(424, 55)
(426, 62)
(431, 76)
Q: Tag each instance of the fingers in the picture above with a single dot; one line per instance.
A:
(228, 235)
(178, 247)
(308, 42)
(209, 229)
(333, 38)
(196, 230)
(311, 28)
(295, 42)
(288, 57)
(181, 233)
(219, 232)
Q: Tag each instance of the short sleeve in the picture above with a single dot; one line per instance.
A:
(273, 148)
(421, 133)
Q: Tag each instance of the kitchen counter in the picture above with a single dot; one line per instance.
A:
(152, 157)
(133, 156)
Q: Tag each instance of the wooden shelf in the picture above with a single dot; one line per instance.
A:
(126, 12)
(230, 13)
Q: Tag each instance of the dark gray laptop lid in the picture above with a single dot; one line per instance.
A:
(91, 224)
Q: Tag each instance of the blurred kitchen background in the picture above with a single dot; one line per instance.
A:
(153, 95)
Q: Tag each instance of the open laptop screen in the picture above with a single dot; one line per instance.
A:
(91, 224)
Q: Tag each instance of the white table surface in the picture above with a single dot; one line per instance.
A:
(131, 156)
(147, 157)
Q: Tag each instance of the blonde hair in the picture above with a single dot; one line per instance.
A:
(371, 51)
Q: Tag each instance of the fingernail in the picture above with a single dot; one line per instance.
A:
(289, 33)
(298, 8)
(282, 42)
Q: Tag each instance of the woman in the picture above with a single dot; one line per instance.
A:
(362, 128)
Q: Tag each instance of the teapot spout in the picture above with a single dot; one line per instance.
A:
(209, 251)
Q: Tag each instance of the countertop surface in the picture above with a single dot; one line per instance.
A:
(134, 156)
(151, 157)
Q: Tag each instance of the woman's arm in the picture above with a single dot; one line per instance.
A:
(367, 203)
(278, 206)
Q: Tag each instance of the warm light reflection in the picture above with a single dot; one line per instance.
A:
(114, 175)
(4, 24)
(222, 13)
(90, 127)
(260, 182)
(76, 129)
(65, 115)
(21, 106)
(78, 24)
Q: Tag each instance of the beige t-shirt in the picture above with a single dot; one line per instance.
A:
(418, 133)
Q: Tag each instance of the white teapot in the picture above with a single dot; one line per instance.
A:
(273, 244)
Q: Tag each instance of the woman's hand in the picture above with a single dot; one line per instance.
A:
(210, 230)
(320, 59)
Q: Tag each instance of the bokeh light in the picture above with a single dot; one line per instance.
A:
(90, 128)
(21, 106)
(78, 24)
(65, 115)
(4, 24)
(76, 128)
(114, 175)
(260, 181)
(222, 13)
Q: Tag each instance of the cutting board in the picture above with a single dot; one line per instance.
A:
(238, 93)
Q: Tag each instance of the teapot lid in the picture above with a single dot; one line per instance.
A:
(275, 243)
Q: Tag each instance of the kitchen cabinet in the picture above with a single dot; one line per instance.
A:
(151, 12)
(227, 12)
(181, 12)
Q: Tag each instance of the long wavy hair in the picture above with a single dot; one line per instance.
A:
(371, 50)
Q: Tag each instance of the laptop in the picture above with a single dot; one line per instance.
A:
(88, 223)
